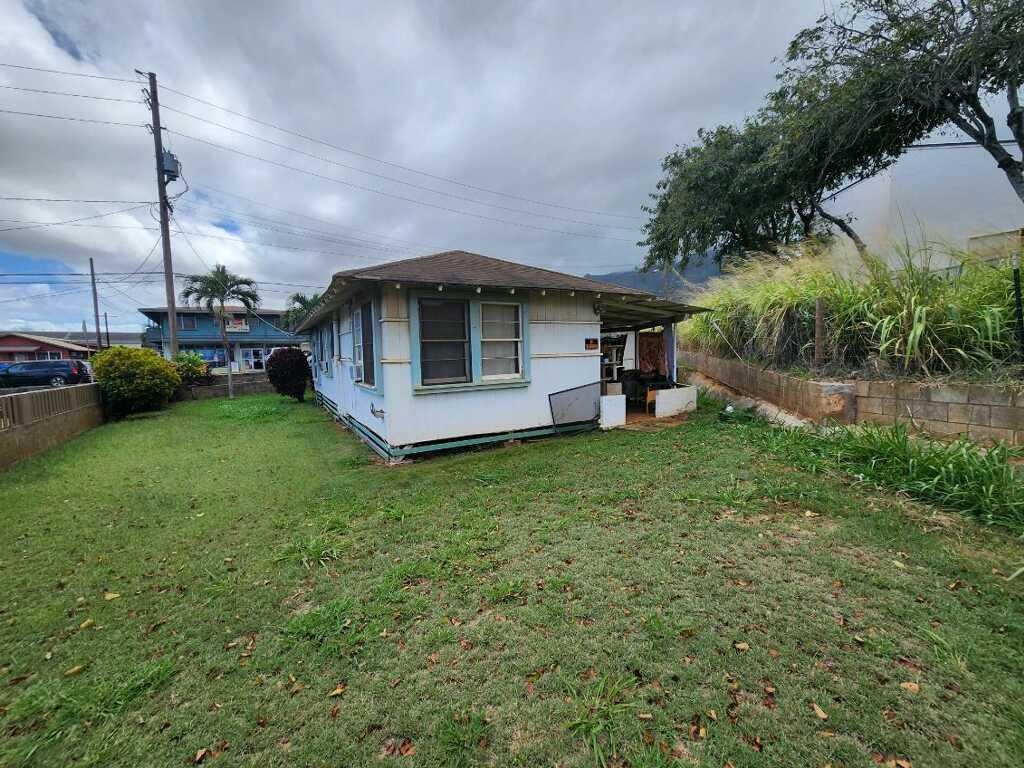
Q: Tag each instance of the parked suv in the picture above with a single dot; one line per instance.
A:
(54, 373)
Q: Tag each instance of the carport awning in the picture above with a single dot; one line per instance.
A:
(632, 313)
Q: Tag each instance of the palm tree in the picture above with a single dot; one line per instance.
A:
(298, 309)
(214, 290)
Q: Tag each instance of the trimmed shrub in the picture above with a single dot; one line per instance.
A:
(288, 371)
(191, 367)
(134, 380)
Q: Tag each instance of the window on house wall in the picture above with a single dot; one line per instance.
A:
(338, 322)
(500, 340)
(187, 322)
(47, 355)
(444, 341)
(357, 345)
(363, 354)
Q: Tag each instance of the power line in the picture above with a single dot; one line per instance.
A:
(395, 165)
(65, 72)
(181, 229)
(73, 119)
(396, 197)
(68, 274)
(420, 187)
(68, 93)
(954, 144)
(426, 246)
(38, 225)
(74, 200)
(325, 236)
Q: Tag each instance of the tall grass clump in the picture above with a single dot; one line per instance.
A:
(960, 476)
(911, 318)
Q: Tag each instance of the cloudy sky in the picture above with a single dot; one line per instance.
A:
(531, 131)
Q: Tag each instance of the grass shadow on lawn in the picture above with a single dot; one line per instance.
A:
(243, 579)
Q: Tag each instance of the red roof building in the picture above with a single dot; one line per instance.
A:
(17, 346)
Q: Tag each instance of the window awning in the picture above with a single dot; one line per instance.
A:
(633, 313)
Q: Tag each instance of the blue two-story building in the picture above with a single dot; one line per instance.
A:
(251, 338)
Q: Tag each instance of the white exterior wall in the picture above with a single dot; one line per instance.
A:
(558, 327)
(351, 398)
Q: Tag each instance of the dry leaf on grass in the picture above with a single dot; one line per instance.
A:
(818, 711)
(741, 646)
(912, 687)
(398, 748)
(339, 689)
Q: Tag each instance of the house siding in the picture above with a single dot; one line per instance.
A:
(557, 328)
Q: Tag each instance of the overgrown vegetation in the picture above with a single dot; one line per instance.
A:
(650, 599)
(960, 476)
(134, 380)
(912, 318)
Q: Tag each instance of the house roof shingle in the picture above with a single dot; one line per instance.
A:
(465, 268)
(462, 268)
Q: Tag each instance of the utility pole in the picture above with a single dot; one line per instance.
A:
(95, 305)
(106, 325)
(165, 230)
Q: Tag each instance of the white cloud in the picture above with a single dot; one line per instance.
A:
(572, 103)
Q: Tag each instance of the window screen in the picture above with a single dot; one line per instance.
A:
(366, 328)
(186, 322)
(444, 341)
(500, 340)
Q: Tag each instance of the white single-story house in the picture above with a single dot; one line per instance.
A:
(456, 349)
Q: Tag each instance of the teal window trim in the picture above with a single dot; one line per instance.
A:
(322, 354)
(475, 341)
(377, 388)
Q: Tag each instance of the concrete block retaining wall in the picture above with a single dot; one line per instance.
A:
(33, 422)
(981, 412)
(984, 413)
(819, 401)
(244, 385)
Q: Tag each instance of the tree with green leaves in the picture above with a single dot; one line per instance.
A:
(859, 87)
(905, 68)
(715, 199)
(298, 308)
(214, 290)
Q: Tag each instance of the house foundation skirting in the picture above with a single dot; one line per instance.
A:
(395, 454)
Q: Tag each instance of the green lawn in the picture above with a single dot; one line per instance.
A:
(244, 578)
